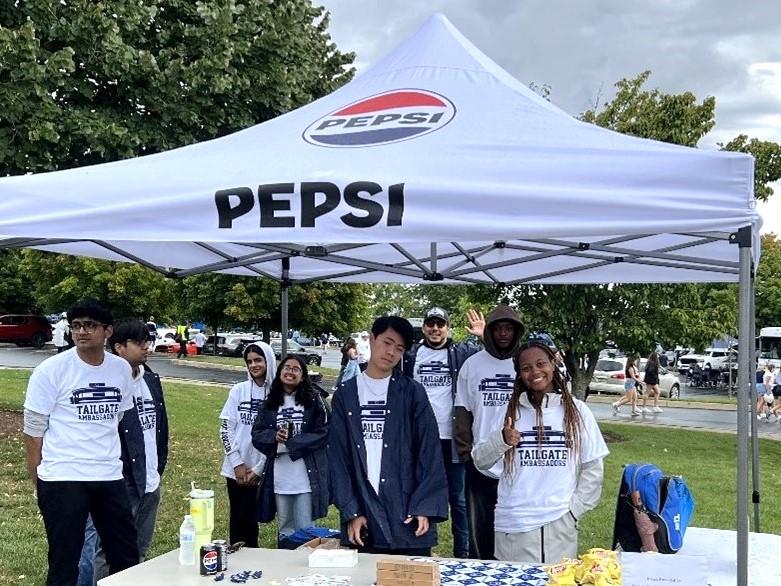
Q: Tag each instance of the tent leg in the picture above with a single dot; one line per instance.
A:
(745, 344)
(755, 497)
(285, 285)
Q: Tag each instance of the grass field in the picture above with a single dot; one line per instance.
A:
(707, 460)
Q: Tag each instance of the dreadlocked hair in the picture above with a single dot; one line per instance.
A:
(572, 419)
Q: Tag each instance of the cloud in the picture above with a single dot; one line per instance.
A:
(718, 48)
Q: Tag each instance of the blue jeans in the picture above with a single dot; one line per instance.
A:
(87, 559)
(459, 524)
(294, 512)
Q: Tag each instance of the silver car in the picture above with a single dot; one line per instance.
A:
(609, 378)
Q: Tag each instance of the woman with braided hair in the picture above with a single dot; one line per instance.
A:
(548, 458)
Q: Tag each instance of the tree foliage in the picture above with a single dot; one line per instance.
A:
(87, 81)
(59, 280)
(16, 287)
(768, 283)
(767, 162)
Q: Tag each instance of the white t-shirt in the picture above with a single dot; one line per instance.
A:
(83, 403)
(147, 416)
(484, 386)
(544, 478)
(290, 477)
(200, 339)
(432, 371)
(373, 396)
(60, 331)
(238, 415)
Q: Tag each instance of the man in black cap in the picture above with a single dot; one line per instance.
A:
(434, 363)
(484, 386)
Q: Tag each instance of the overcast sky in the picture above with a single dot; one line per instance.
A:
(722, 48)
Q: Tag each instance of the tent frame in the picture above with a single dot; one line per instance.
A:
(464, 266)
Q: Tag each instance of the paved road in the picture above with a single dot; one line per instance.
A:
(710, 419)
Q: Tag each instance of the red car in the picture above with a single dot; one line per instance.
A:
(32, 330)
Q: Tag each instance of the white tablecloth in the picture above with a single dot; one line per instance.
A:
(719, 546)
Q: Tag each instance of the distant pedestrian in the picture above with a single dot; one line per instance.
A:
(652, 383)
(363, 347)
(349, 366)
(765, 392)
(631, 382)
(60, 334)
(200, 340)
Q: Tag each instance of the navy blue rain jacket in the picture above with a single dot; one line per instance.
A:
(131, 438)
(309, 444)
(412, 472)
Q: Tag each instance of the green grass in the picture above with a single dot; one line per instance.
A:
(707, 460)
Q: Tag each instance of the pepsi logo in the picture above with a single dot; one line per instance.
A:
(382, 119)
(210, 560)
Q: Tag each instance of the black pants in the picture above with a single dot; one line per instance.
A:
(243, 504)
(182, 350)
(65, 506)
(480, 507)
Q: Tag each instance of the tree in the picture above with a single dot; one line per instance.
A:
(313, 308)
(583, 317)
(59, 280)
(85, 82)
(767, 162)
(15, 285)
(768, 283)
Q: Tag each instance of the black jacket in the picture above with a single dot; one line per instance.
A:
(413, 473)
(310, 445)
(131, 438)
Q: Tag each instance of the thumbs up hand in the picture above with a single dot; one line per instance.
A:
(511, 436)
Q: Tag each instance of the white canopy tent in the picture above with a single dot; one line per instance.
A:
(433, 166)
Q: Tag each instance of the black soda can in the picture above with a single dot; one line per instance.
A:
(209, 560)
(222, 554)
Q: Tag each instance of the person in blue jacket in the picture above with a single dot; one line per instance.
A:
(386, 467)
(291, 429)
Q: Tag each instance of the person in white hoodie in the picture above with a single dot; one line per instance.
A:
(60, 333)
(243, 464)
(548, 458)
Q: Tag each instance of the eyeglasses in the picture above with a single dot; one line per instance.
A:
(145, 344)
(88, 327)
(293, 369)
(435, 323)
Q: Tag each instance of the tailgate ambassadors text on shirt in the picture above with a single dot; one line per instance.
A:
(83, 403)
(373, 396)
(433, 372)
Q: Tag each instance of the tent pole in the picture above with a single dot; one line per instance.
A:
(285, 284)
(755, 498)
(745, 341)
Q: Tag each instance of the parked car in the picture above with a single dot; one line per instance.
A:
(164, 340)
(718, 358)
(25, 330)
(609, 378)
(308, 356)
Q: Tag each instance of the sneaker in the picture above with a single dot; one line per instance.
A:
(761, 416)
(657, 410)
(646, 409)
(615, 408)
(636, 412)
